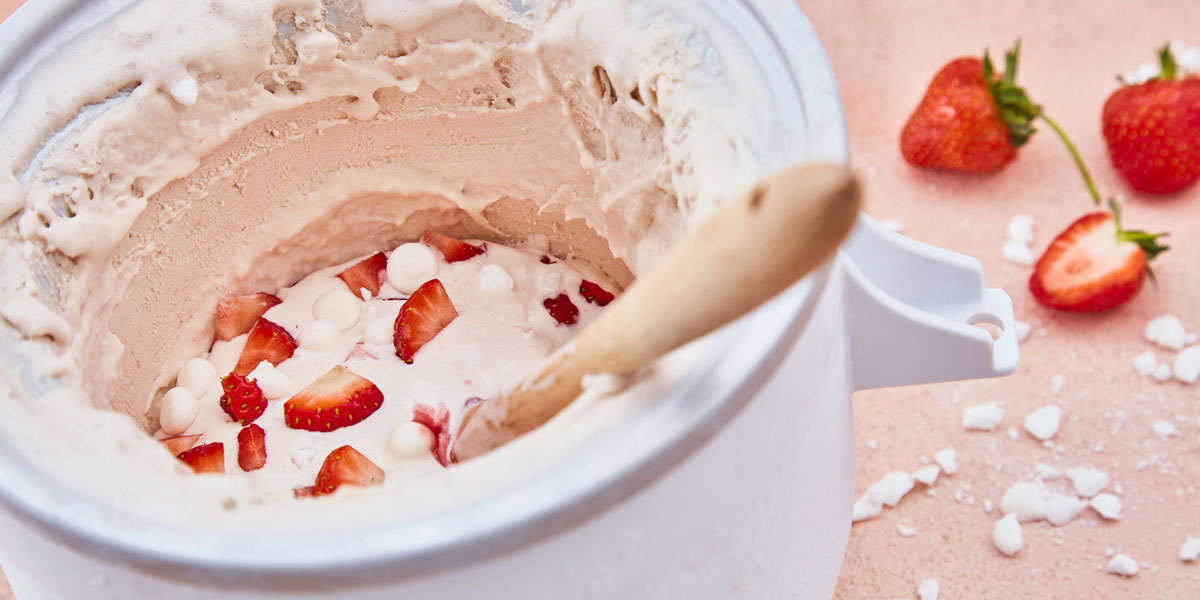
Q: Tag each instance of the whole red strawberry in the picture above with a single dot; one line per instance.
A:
(1153, 131)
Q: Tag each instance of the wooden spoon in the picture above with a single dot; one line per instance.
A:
(744, 255)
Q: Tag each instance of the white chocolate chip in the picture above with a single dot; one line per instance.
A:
(197, 375)
(178, 410)
(411, 265)
(342, 307)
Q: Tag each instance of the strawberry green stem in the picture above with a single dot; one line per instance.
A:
(1167, 61)
(1083, 170)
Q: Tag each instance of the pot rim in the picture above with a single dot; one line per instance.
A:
(597, 476)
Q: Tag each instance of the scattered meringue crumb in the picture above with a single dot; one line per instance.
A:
(867, 506)
(1187, 364)
(1190, 550)
(1062, 509)
(1057, 383)
(186, 91)
(1043, 423)
(1162, 373)
(1107, 506)
(906, 530)
(988, 506)
(984, 417)
(1020, 229)
(1019, 253)
(1088, 482)
(1046, 472)
(928, 590)
(927, 475)
(1022, 329)
(872, 444)
(1024, 500)
(893, 225)
(894, 486)
(1006, 535)
(1145, 363)
(1166, 331)
(1013, 434)
(1122, 565)
(1164, 429)
(948, 460)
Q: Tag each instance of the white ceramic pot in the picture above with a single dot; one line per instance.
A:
(737, 484)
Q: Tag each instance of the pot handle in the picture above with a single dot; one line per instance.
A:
(912, 310)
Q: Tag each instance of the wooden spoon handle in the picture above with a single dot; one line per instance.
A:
(744, 255)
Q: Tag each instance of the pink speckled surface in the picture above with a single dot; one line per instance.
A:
(884, 53)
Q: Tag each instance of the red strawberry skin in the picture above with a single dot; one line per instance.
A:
(594, 293)
(562, 309)
(209, 458)
(242, 399)
(437, 421)
(957, 126)
(347, 466)
(425, 314)
(1087, 269)
(1153, 134)
(339, 398)
(452, 249)
(367, 274)
(267, 341)
(305, 491)
(252, 448)
(236, 315)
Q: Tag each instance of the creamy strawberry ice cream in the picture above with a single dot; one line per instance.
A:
(509, 310)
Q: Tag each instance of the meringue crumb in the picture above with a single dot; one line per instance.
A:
(1006, 535)
(1166, 331)
(928, 590)
(1122, 565)
(906, 530)
(948, 460)
(984, 417)
(1043, 423)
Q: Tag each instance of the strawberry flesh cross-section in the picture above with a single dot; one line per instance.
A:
(268, 342)
(594, 293)
(339, 398)
(425, 314)
(236, 315)
(242, 399)
(346, 466)
(366, 275)
(562, 309)
(209, 458)
(452, 249)
(252, 447)
(437, 421)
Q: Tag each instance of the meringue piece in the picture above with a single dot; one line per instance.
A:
(1088, 482)
(1145, 363)
(927, 475)
(1062, 509)
(342, 307)
(1043, 423)
(928, 590)
(1020, 229)
(1190, 550)
(1026, 501)
(179, 408)
(411, 265)
(1006, 535)
(948, 460)
(894, 486)
(1107, 506)
(1187, 364)
(1164, 429)
(1122, 565)
(321, 334)
(273, 383)
(186, 91)
(1166, 331)
(984, 417)
(1019, 253)
(493, 278)
(380, 331)
(197, 375)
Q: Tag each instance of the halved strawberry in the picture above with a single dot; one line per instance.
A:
(267, 341)
(340, 398)
(437, 420)
(453, 250)
(1094, 265)
(305, 491)
(237, 315)
(242, 399)
(425, 313)
(209, 458)
(562, 309)
(252, 447)
(179, 443)
(594, 293)
(347, 466)
(367, 274)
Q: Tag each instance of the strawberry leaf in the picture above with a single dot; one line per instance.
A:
(1016, 110)
(1167, 61)
(1147, 241)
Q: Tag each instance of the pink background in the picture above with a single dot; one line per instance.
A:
(884, 53)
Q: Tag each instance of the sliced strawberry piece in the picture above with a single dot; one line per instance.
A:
(425, 313)
(340, 398)
(453, 250)
(360, 352)
(1094, 265)
(268, 342)
(546, 260)
(437, 420)
(179, 443)
(252, 447)
(594, 293)
(347, 466)
(367, 274)
(209, 458)
(238, 314)
(562, 309)
(305, 491)
(242, 399)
